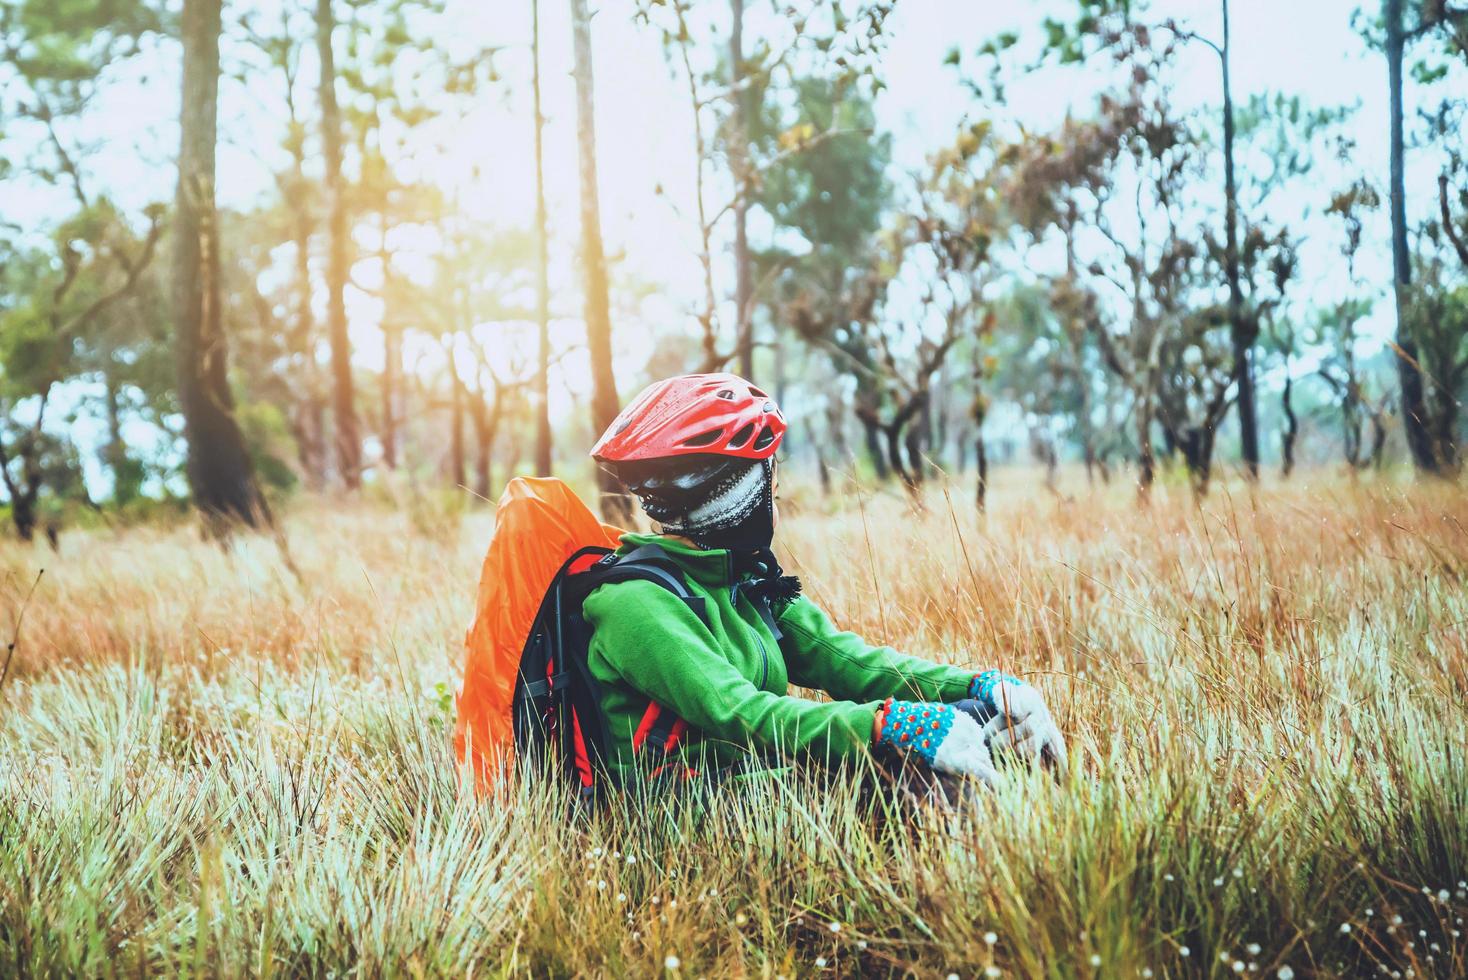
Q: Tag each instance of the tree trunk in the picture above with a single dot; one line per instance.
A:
(220, 474)
(1292, 425)
(23, 516)
(874, 450)
(456, 429)
(923, 452)
(543, 463)
(1351, 423)
(1197, 449)
(739, 165)
(866, 414)
(484, 469)
(486, 421)
(915, 443)
(348, 441)
(392, 371)
(615, 506)
(893, 434)
(1146, 458)
(309, 424)
(126, 474)
(1409, 375)
(981, 465)
(1241, 327)
(1378, 438)
(307, 414)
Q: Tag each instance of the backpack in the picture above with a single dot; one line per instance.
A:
(527, 691)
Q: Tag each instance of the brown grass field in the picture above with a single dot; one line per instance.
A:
(212, 767)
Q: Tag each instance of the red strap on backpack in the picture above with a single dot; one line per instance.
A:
(660, 727)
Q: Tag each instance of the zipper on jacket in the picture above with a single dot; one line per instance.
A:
(734, 585)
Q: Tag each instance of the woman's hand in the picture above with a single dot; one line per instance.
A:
(1015, 718)
(946, 739)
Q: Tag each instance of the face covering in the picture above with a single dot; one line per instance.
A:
(718, 502)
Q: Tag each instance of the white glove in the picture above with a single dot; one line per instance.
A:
(945, 738)
(1015, 718)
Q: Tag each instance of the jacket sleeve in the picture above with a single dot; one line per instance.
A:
(654, 642)
(845, 666)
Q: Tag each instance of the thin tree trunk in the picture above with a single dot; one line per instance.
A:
(981, 466)
(456, 429)
(913, 442)
(1351, 423)
(893, 434)
(309, 427)
(543, 464)
(392, 353)
(1292, 425)
(1378, 437)
(1241, 328)
(486, 423)
(866, 414)
(1146, 458)
(484, 468)
(307, 423)
(124, 474)
(348, 440)
(1409, 375)
(614, 504)
(23, 516)
(739, 164)
(220, 474)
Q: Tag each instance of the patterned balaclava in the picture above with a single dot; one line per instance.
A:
(717, 501)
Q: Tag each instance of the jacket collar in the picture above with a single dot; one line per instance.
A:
(710, 568)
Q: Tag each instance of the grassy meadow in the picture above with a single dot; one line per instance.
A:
(211, 766)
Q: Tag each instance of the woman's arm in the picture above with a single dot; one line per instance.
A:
(845, 666)
(655, 643)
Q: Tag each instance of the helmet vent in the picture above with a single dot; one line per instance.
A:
(764, 438)
(757, 393)
(727, 394)
(742, 436)
(707, 438)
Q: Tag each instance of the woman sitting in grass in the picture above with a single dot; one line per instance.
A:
(698, 452)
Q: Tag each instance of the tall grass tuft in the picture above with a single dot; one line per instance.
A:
(212, 768)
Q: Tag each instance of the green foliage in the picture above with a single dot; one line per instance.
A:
(268, 438)
(826, 176)
(60, 48)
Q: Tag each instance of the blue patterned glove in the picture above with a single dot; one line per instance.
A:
(941, 736)
(1014, 717)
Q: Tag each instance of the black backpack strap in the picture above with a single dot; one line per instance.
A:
(647, 563)
(759, 598)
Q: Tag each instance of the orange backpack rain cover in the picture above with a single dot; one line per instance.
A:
(539, 523)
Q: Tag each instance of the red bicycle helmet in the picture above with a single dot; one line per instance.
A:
(719, 414)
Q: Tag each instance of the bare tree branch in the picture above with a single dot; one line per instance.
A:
(1449, 227)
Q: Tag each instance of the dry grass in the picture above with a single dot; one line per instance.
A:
(210, 767)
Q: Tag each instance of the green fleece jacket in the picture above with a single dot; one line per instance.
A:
(729, 680)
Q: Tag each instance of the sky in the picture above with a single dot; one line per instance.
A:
(645, 136)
